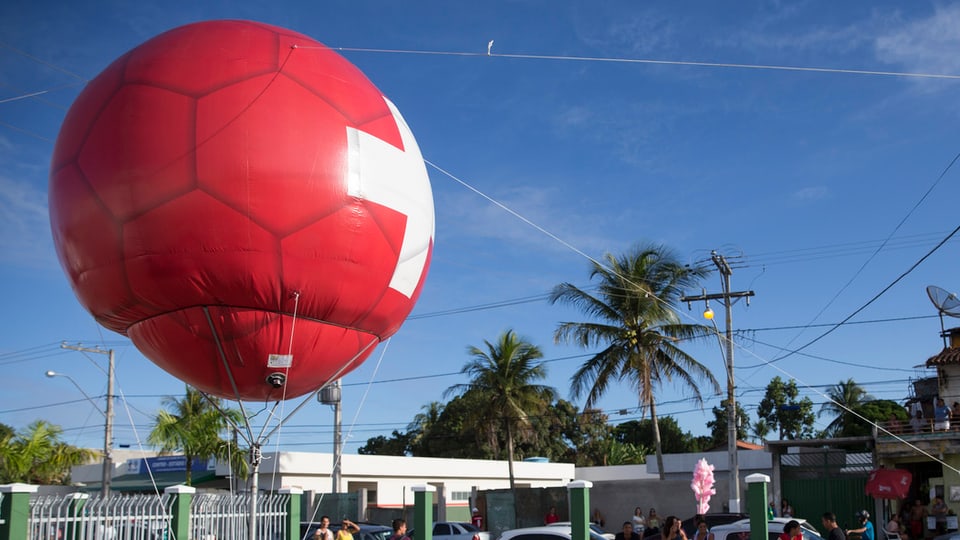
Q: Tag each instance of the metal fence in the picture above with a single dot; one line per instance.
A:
(74, 516)
(148, 517)
(216, 516)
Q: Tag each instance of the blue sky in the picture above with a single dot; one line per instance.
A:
(801, 173)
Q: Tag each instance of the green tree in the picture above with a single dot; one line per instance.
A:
(842, 398)
(640, 433)
(759, 430)
(422, 424)
(638, 327)
(505, 374)
(718, 426)
(195, 426)
(36, 455)
(453, 433)
(398, 444)
(620, 453)
(869, 413)
(783, 412)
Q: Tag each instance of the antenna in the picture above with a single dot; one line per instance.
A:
(947, 304)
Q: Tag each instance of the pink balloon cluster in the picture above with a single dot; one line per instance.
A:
(702, 485)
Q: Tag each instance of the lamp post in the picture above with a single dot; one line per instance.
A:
(107, 414)
(728, 298)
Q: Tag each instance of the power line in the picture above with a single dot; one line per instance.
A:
(724, 65)
(872, 300)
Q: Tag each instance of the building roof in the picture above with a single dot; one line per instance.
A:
(741, 445)
(949, 355)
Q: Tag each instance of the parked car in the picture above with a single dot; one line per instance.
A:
(547, 532)
(368, 531)
(454, 530)
(593, 526)
(740, 530)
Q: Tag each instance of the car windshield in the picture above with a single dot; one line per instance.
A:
(469, 527)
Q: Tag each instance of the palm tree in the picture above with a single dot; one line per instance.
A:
(37, 455)
(419, 428)
(842, 398)
(760, 429)
(194, 425)
(504, 375)
(638, 326)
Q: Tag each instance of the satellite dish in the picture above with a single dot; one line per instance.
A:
(947, 304)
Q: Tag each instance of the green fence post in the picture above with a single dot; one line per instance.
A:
(180, 510)
(76, 508)
(579, 495)
(757, 504)
(15, 511)
(293, 511)
(423, 511)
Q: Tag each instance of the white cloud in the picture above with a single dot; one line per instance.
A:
(465, 215)
(812, 193)
(24, 225)
(925, 45)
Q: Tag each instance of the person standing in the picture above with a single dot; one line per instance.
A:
(639, 522)
(477, 518)
(627, 533)
(347, 530)
(653, 522)
(702, 532)
(672, 529)
(865, 530)
(918, 519)
(598, 517)
(830, 524)
(324, 532)
(941, 416)
(939, 510)
(785, 509)
(791, 531)
(399, 529)
(551, 517)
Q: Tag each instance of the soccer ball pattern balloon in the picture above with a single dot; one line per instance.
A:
(230, 190)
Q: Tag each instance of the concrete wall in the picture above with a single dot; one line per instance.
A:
(392, 476)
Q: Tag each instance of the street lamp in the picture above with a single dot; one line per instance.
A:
(107, 415)
(52, 374)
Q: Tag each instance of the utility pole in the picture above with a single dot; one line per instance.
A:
(330, 395)
(108, 424)
(728, 298)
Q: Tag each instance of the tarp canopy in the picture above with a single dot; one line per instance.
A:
(889, 483)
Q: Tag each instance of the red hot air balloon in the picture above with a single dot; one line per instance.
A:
(245, 205)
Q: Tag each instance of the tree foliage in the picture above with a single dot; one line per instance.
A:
(842, 398)
(195, 426)
(640, 434)
(786, 415)
(869, 413)
(36, 455)
(718, 426)
(634, 321)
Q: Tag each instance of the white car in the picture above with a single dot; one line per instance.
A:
(455, 530)
(593, 526)
(547, 532)
(740, 530)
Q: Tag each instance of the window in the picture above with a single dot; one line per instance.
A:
(459, 495)
(441, 529)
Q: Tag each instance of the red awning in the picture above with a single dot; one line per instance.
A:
(889, 483)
